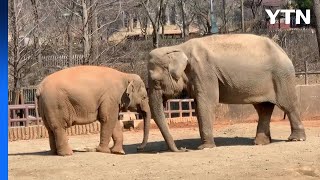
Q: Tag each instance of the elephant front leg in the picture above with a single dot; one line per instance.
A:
(264, 111)
(117, 137)
(205, 115)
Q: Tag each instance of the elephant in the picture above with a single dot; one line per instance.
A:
(227, 69)
(84, 94)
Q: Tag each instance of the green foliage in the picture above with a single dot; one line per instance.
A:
(304, 4)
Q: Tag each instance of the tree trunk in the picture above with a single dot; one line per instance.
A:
(316, 10)
(16, 50)
(183, 19)
(36, 35)
(155, 38)
(242, 17)
(155, 22)
(224, 16)
(86, 43)
(70, 35)
(95, 34)
(130, 23)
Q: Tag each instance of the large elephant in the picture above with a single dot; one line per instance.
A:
(230, 69)
(84, 94)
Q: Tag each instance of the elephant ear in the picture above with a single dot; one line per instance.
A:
(127, 99)
(178, 63)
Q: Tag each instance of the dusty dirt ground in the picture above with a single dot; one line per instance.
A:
(233, 158)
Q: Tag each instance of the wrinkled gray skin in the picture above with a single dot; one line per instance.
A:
(230, 69)
(84, 94)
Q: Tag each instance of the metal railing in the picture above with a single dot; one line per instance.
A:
(23, 118)
(306, 72)
(19, 115)
(179, 108)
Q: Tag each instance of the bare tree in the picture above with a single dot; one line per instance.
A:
(69, 33)
(202, 13)
(36, 35)
(316, 10)
(186, 15)
(85, 24)
(154, 15)
(256, 10)
(15, 49)
(94, 32)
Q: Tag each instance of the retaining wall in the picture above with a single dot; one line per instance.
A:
(37, 132)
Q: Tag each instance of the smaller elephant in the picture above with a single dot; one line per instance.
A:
(83, 94)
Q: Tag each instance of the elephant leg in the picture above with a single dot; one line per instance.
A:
(61, 139)
(264, 111)
(107, 127)
(288, 102)
(117, 136)
(297, 128)
(205, 114)
(52, 140)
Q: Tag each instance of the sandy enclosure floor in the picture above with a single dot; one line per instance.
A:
(233, 158)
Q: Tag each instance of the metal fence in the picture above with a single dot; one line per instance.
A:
(306, 72)
(19, 115)
(62, 60)
(179, 108)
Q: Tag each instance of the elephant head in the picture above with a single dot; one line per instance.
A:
(135, 98)
(167, 79)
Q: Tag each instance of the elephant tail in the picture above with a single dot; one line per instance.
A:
(39, 102)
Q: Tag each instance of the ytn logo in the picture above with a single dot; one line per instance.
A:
(287, 12)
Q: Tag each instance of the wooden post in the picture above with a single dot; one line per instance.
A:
(26, 114)
(9, 118)
(36, 109)
(305, 72)
(180, 108)
(190, 108)
(37, 115)
(169, 108)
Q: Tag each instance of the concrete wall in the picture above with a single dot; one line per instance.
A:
(308, 97)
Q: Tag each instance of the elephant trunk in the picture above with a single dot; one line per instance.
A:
(146, 123)
(159, 118)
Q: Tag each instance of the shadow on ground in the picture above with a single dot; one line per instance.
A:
(161, 146)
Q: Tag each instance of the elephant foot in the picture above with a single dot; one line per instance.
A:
(206, 146)
(262, 139)
(103, 149)
(64, 151)
(297, 135)
(116, 150)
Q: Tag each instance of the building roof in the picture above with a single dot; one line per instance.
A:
(168, 29)
(274, 3)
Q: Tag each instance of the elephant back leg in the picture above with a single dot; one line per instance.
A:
(264, 111)
(53, 121)
(117, 136)
(63, 147)
(108, 117)
(57, 134)
(52, 140)
(287, 100)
